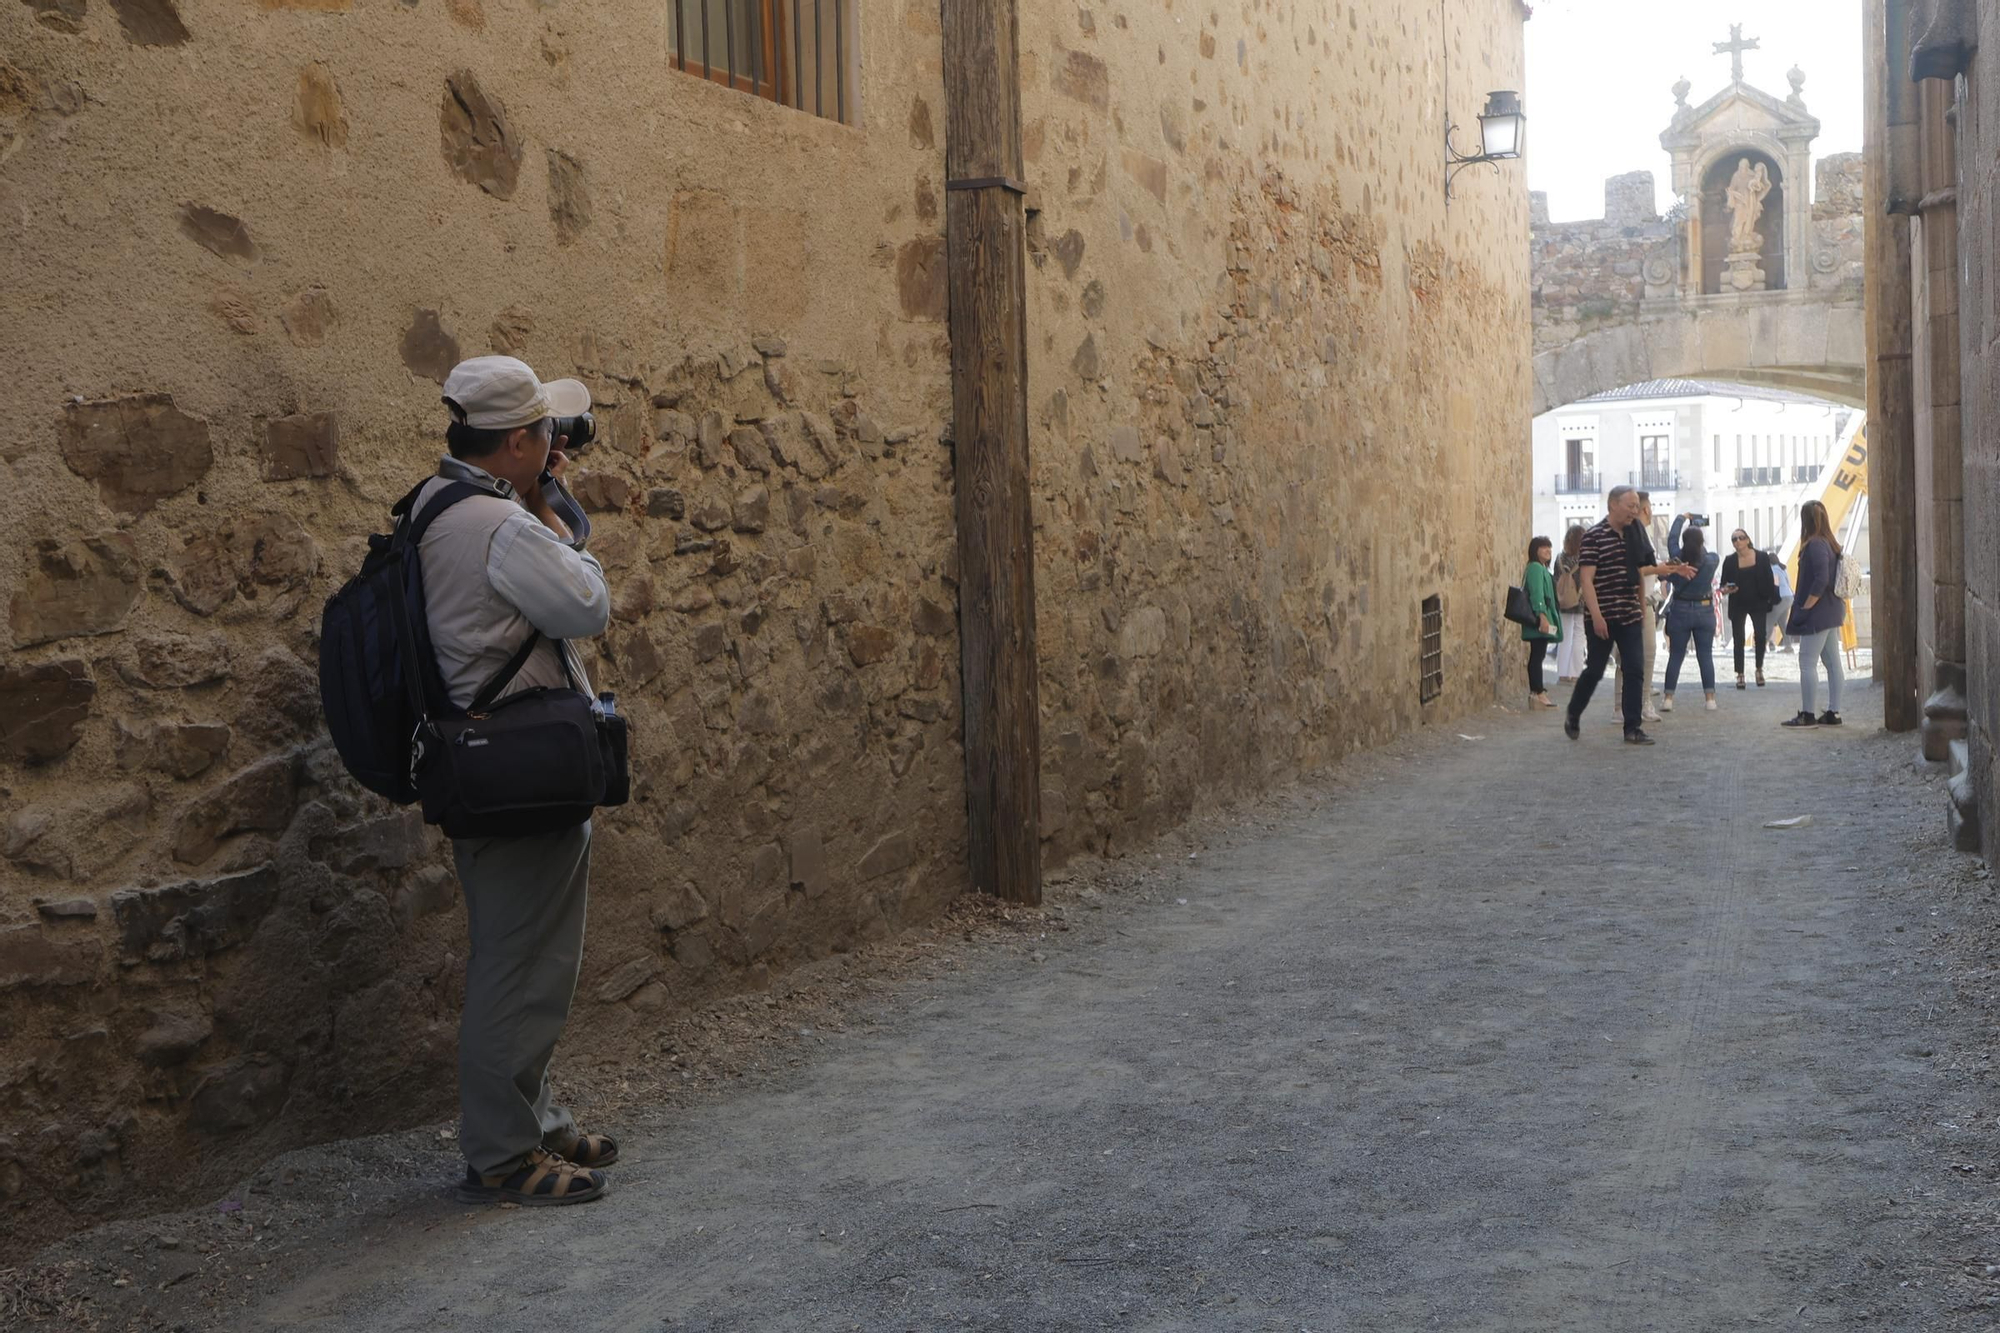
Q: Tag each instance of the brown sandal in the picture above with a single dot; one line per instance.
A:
(542, 1178)
(590, 1150)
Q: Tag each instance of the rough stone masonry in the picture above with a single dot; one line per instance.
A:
(1275, 381)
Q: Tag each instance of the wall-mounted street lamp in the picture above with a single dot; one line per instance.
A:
(1501, 125)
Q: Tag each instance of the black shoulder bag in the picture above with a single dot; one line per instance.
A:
(534, 762)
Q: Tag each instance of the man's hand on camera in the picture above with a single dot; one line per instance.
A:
(538, 503)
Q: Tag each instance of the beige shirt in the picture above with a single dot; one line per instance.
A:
(493, 574)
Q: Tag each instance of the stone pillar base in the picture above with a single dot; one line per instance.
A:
(1744, 272)
(1962, 818)
(1945, 722)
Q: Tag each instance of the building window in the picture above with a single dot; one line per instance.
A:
(794, 52)
(1654, 473)
(1430, 651)
(1579, 474)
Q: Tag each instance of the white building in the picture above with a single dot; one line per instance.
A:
(1746, 457)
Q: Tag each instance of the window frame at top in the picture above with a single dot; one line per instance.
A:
(783, 51)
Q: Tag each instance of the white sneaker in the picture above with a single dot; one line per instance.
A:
(1711, 705)
(1666, 705)
(1650, 715)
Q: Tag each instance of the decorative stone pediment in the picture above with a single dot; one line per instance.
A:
(1739, 131)
(1739, 107)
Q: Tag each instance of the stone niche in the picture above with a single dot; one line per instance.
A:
(1715, 221)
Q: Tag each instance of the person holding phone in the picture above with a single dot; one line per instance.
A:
(1690, 606)
(1752, 590)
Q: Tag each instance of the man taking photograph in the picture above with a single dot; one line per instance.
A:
(499, 567)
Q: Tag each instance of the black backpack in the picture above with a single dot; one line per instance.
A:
(374, 697)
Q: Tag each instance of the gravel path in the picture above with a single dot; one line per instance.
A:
(1486, 1031)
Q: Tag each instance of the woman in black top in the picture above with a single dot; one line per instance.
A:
(1753, 593)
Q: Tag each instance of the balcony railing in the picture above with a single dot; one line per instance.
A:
(1656, 479)
(1576, 483)
(1759, 476)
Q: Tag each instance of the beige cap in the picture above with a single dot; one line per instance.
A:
(501, 392)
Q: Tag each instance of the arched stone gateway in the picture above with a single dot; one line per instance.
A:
(1751, 278)
(1797, 341)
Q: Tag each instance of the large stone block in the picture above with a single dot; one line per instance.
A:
(389, 842)
(245, 556)
(306, 444)
(896, 852)
(87, 585)
(808, 859)
(42, 708)
(921, 279)
(309, 316)
(178, 749)
(150, 22)
(478, 145)
(427, 348)
(221, 234)
(239, 1095)
(194, 918)
(138, 449)
(31, 957)
(317, 112)
(165, 660)
(1083, 77)
(258, 799)
(172, 1039)
(569, 197)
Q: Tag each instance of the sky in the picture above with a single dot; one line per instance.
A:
(1601, 76)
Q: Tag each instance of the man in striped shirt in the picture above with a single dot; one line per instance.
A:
(1615, 560)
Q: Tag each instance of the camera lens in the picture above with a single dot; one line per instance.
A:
(581, 430)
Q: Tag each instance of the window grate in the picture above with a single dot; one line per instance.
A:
(793, 52)
(1430, 651)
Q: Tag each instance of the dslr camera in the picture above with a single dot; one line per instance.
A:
(581, 430)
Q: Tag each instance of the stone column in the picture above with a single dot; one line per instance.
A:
(1975, 791)
(1940, 453)
(1889, 135)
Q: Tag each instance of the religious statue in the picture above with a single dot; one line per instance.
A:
(1745, 194)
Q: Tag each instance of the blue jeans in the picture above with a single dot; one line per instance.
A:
(1823, 646)
(1690, 622)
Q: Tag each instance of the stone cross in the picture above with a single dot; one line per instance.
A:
(1734, 49)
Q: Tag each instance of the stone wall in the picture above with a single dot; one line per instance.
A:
(245, 243)
(1268, 368)
(1975, 778)
(1596, 274)
(1592, 274)
(1840, 250)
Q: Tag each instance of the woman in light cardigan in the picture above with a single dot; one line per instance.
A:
(1569, 652)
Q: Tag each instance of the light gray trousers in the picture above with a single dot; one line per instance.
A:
(524, 905)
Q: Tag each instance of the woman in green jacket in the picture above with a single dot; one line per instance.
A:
(1540, 585)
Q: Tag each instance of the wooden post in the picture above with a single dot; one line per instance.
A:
(986, 259)
(1889, 142)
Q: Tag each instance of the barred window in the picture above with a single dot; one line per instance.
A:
(795, 52)
(1430, 651)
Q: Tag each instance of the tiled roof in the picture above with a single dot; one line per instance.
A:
(1701, 389)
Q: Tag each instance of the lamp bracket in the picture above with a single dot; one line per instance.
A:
(1455, 161)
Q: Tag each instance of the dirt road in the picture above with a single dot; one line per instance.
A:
(1487, 1031)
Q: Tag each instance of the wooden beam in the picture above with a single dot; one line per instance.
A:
(1892, 463)
(986, 259)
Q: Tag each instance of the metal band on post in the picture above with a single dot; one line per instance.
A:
(1007, 183)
